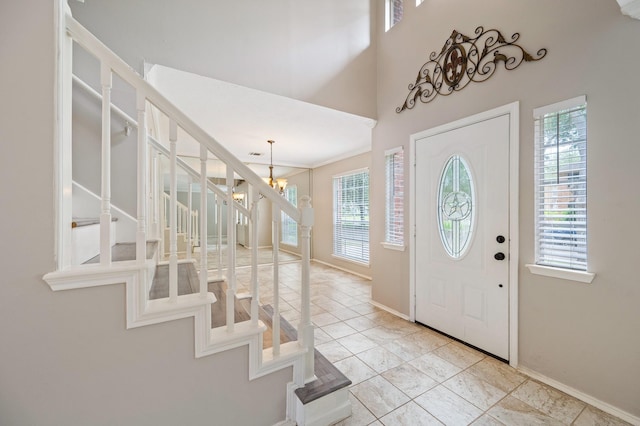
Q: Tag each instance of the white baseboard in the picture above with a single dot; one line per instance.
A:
(341, 269)
(604, 406)
(391, 311)
(286, 423)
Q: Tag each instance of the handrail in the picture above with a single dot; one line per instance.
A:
(194, 174)
(111, 64)
(157, 145)
(90, 43)
(93, 92)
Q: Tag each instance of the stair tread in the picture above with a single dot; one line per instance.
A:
(188, 282)
(126, 251)
(329, 378)
(219, 308)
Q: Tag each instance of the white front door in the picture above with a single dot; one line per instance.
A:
(462, 233)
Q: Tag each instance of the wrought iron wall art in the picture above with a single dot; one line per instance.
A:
(463, 60)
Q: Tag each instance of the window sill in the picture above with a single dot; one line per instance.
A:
(396, 247)
(565, 274)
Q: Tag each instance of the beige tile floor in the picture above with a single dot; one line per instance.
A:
(406, 374)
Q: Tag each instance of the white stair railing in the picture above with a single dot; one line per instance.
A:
(147, 95)
(187, 220)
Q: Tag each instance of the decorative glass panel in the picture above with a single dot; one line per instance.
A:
(456, 206)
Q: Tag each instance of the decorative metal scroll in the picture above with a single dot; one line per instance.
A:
(463, 60)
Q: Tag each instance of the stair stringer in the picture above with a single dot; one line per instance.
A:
(142, 312)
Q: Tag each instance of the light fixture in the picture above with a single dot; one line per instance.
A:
(277, 184)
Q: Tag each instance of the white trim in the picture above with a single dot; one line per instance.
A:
(341, 157)
(391, 311)
(355, 262)
(513, 111)
(351, 172)
(604, 406)
(565, 274)
(412, 228)
(285, 423)
(394, 150)
(366, 277)
(391, 246)
(560, 106)
(63, 47)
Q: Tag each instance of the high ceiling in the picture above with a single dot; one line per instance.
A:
(243, 119)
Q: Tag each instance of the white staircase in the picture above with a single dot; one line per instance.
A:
(185, 222)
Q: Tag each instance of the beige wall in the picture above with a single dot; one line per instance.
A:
(322, 232)
(583, 335)
(66, 357)
(316, 51)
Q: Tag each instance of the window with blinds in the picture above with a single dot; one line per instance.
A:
(561, 184)
(394, 197)
(289, 228)
(394, 11)
(351, 216)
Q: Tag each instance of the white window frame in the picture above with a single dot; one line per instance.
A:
(288, 227)
(338, 235)
(393, 240)
(544, 265)
(390, 18)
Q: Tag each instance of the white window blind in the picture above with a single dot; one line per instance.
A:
(394, 10)
(289, 226)
(351, 216)
(394, 196)
(561, 184)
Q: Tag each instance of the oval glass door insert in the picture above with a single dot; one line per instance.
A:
(456, 206)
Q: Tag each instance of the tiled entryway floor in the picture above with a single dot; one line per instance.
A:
(406, 374)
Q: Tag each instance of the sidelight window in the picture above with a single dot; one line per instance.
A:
(561, 184)
(394, 198)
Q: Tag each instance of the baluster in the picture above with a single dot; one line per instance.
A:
(231, 252)
(141, 234)
(196, 227)
(173, 213)
(255, 199)
(275, 237)
(305, 329)
(105, 215)
(219, 205)
(189, 224)
(154, 203)
(203, 222)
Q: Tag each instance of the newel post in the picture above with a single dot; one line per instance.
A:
(105, 214)
(305, 329)
(141, 233)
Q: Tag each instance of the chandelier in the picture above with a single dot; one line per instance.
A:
(277, 184)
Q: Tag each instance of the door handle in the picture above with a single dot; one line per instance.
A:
(499, 256)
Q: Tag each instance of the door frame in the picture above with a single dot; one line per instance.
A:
(513, 111)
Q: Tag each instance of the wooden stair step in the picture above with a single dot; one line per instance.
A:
(188, 281)
(219, 308)
(329, 378)
(126, 251)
